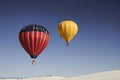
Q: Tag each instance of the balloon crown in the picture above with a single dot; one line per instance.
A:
(34, 27)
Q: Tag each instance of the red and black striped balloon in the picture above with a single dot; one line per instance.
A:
(34, 39)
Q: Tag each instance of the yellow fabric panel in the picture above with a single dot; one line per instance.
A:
(67, 30)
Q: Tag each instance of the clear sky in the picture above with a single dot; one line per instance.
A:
(95, 48)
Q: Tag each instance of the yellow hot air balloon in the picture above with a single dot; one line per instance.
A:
(67, 30)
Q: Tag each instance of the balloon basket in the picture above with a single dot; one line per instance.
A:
(33, 62)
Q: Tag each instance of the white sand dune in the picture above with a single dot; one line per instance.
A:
(109, 75)
(46, 78)
(10, 79)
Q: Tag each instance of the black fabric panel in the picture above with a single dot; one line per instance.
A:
(34, 27)
(33, 56)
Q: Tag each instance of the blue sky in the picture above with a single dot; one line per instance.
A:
(95, 48)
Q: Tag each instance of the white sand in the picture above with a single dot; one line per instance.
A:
(108, 75)
(46, 78)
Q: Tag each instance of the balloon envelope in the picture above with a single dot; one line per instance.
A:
(67, 30)
(34, 39)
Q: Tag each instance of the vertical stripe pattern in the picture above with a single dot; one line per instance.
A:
(67, 30)
(34, 39)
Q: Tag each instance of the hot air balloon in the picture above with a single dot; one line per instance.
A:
(67, 30)
(34, 39)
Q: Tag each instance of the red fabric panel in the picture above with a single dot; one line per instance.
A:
(34, 42)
